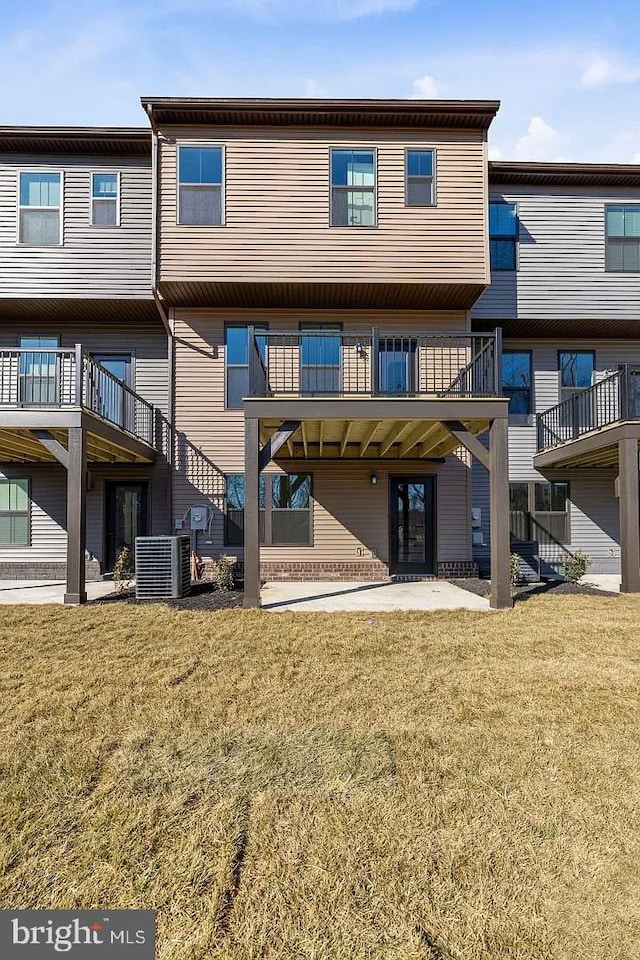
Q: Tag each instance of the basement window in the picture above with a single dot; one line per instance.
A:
(200, 179)
(285, 504)
(14, 513)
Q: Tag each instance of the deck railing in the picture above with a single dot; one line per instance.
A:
(333, 363)
(611, 400)
(47, 377)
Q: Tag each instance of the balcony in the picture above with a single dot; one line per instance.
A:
(45, 392)
(584, 430)
(372, 394)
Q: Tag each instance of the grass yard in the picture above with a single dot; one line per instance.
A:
(441, 786)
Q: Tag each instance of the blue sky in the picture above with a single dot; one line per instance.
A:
(567, 73)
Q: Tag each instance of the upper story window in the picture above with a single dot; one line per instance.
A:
(200, 185)
(419, 181)
(516, 380)
(623, 238)
(105, 199)
(40, 219)
(353, 188)
(576, 371)
(503, 235)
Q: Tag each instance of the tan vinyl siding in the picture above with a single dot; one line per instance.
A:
(349, 512)
(277, 196)
(94, 261)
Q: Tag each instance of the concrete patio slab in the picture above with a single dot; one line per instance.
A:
(603, 581)
(47, 591)
(334, 596)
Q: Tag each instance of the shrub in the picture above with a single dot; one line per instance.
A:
(575, 566)
(514, 570)
(223, 573)
(123, 570)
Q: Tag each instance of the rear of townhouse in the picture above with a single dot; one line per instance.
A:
(319, 336)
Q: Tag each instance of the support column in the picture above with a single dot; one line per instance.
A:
(76, 516)
(251, 513)
(629, 509)
(499, 514)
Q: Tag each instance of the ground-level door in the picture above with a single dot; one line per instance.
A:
(126, 514)
(412, 525)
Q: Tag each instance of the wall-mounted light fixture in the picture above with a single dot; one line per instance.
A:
(373, 479)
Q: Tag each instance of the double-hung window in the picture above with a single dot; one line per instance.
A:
(516, 381)
(40, 209)
(237, 360)
(353, 188)
(200, 185)
(623, 238)
(420, 179)
(14, 513)
(503, 236)
(285, 510)
(576, 371)
(540, 511)
(105, 199)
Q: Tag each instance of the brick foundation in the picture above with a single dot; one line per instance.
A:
(358, 570)
(45, 571)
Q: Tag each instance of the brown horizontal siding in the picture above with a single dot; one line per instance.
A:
(277, 211)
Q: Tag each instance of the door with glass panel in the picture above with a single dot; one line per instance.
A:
(39, 371)
(126, 509)
(412, 525)
(110, 399)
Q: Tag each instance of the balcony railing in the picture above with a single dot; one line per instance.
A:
(47, 377)
(332, 363)
(611, 400)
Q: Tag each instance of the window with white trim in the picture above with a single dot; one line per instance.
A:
(419, 187)
(200, 178)
(353, 188)
(105, 199)
(40, 209)
(14, 513)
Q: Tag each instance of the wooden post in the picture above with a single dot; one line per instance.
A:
(251, 513)
(76, 515)
(499, 514)
(629, 508)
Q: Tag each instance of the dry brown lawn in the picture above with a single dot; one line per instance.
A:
(440, 786)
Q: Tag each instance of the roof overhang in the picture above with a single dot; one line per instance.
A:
(122, 141)
(476, 114)
(565, 174)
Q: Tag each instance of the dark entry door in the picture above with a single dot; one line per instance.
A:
(126, 516)
(412, 525)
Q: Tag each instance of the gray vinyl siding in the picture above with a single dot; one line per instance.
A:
(594, 508)
(94, 261)
(561, 258)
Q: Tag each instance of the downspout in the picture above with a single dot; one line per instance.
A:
(166, 321)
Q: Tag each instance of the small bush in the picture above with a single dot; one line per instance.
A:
(123, 570)
(514, 570)
(575, 566)
(223, 573)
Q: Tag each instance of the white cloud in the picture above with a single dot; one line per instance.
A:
(323, 11)
(496, 153)
(540, 142)
(426, 87)
(603, 70)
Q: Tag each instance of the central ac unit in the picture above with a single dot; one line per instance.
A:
(163, 568)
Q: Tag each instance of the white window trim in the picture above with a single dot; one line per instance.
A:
(223, 193)
(92, 174)
(60, 208)
(342, 226)
(434, 177)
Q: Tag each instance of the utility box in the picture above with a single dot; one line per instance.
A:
(199, 516)
(163, 567)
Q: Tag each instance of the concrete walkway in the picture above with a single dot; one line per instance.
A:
(47, 591)
(336, 596)
(603, 581)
